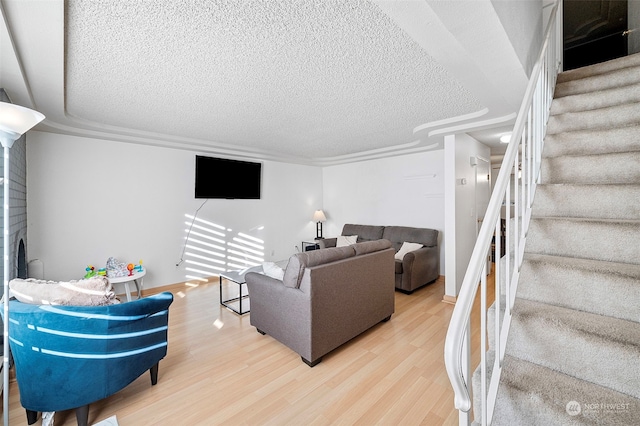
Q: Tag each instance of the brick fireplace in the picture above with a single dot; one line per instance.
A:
(18, 206)
(17, 214)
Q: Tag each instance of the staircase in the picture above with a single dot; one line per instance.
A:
(573, 352)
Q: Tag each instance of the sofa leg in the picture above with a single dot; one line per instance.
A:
(154, 373)
(32, 416)
(312, 363)
(260, 331)
(386, 319)
(82, 415)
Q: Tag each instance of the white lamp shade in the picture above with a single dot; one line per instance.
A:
(15, 120)
(318, 216)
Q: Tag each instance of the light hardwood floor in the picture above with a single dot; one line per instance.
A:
(219, 370)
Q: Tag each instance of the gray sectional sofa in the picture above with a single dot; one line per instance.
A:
(326, 297)
(417, 268)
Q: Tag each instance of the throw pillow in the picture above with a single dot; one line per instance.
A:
(406, 248)
(346, 240)
(95, 291)
(272, 270)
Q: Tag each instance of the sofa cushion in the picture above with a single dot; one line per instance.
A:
(371, 246)
(346, 240)
(299, 261)
(272, 270)
(406, 248)
(399, 234)
(95, 291)
(398, 266)
(364, 232)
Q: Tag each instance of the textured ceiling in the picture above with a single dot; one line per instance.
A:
(309, 81)
(300, 77)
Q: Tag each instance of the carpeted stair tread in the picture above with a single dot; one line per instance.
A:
(578, 343)
(532, 395)
(606, 240)
(588, 201)
(596, 100)
(629, 61)
(602, 141)
(607, 80)
(602, 118)
(604, 288)
(614, 168)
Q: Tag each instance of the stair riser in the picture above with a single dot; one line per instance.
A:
(582, 350)
(606, 288)
(600, 68)
(600, 292)
(606, 118)
(623, 139)
(609, 80)
(588, 201)
(596, 100)
(608, 241)
(619, 168)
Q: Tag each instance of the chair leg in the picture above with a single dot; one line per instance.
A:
(154, 373)
(82, 415)
(32, 416)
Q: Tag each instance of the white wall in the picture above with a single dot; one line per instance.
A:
(523, 22)
(90, 199)
(460, 206)
(406, 190)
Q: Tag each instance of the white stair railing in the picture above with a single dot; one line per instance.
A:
(510, 205)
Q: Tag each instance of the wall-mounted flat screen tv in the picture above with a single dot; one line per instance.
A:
(224, 178)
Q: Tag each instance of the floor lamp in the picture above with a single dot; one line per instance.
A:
(14, 122)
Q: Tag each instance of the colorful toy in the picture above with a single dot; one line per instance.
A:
(130, 268)
(90, 271)
(116, 269)
(138, 267)
(102, 272)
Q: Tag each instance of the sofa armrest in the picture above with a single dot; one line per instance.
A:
(266, 290)
(420, 267)
(280, 311)
(327, 242)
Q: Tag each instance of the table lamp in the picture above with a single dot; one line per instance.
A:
(319, 217)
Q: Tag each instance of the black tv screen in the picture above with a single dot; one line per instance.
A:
(231, 179)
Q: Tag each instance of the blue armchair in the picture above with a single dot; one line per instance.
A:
(67, 357)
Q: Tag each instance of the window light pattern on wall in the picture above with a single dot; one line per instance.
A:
(211, 249)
